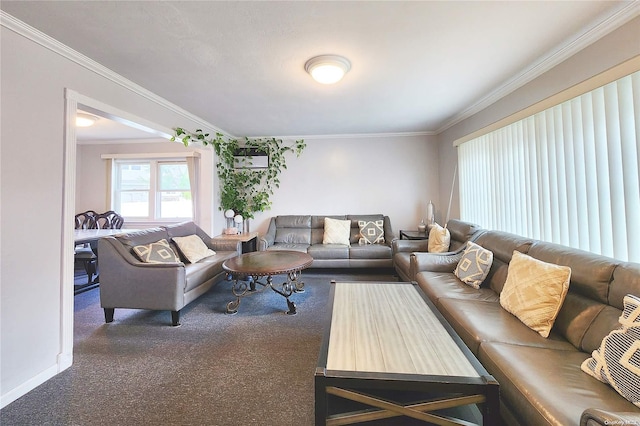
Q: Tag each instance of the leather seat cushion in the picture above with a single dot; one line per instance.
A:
(329, 251)
(205, 269)
(289, 246)
(478, 321)
(370, 251)
(546, 386)
(443, 284)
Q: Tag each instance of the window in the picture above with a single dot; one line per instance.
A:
(568, 174)
(152, 189)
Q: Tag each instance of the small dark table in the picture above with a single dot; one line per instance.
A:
(247, 268)
(414, 235)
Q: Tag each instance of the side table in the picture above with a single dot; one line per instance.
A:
(249, 240)
(414, 235)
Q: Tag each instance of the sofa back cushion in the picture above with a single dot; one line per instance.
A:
(585, 317)
(317, 227)
(144, 237)
(626, 280)
(293, 229)
(460, 233)
(502, 244)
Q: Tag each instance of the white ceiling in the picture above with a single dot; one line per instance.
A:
(417, 66)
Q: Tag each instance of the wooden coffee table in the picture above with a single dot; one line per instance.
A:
(388, 349)
(246, 270)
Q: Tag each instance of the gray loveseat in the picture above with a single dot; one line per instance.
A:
(127, 282)
(305, 233)
(541, 382)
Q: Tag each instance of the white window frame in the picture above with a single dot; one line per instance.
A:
(154, 160)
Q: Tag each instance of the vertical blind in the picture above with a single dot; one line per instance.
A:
(568, 174)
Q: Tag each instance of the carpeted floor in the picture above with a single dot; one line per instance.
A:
(252, 368)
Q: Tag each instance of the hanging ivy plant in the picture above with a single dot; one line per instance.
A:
(245, 189)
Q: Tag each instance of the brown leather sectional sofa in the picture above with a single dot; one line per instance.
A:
(541, 382)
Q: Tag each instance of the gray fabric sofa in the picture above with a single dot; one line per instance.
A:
(305, 233)
(407, 254)
(127, 282)
(541, 382)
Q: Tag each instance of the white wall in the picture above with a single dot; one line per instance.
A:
(91, 182)
(394, 175)
(32, 190)
(611, 50)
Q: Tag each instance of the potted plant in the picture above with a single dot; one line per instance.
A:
(245, 188)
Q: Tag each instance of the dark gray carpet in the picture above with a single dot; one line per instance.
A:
(252, 368)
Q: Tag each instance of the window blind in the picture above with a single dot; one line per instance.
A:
(568, 174)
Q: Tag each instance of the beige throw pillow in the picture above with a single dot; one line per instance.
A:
(336, 231)
(439, 239)
(193, 248)
(474, 265)
(534, 291)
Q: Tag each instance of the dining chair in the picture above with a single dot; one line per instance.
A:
(83, 252)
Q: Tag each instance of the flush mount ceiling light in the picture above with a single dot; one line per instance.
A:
(85, 120)
(327, 69)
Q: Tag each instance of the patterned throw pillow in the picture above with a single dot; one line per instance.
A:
(534, 291)
(371, 232)
(336, 231)
(158, 252)
(617, 361)
(439, 239)
(193, 248)
(474, 265)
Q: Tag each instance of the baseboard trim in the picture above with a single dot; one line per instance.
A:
(29, 385)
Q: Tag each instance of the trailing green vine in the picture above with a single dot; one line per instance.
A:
(244, 190)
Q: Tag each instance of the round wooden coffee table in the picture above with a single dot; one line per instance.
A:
(246, 269)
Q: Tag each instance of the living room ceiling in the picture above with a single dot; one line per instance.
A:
(417, 66)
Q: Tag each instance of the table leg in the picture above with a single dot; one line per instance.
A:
(239, 289)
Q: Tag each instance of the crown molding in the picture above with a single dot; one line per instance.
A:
(354, 135)
(10, 22)
(556, 56)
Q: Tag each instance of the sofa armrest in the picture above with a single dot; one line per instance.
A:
(410, 246)
(434, 262)
(594, 416)
(126, 282)
(389, 236)
(225, 245)
(269, 238)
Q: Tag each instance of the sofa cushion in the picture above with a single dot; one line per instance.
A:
(328, 251)
(590, 273)
(474, 265)
(371, 231)
(478, 321)
(157, 252)
(444, 284)
(143, 237)
(355, 229)
(534, 291)
(205, 269)
(371, 251)
(336, 231)
(617, 361)
(317, 227)
(290, 246)
(439, 239)
(545, 386)
(193, 248)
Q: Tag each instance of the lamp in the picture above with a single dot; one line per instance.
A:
(327, 69)
(85, 120)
